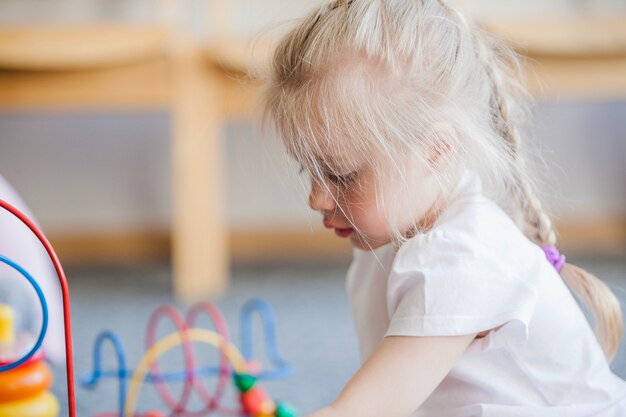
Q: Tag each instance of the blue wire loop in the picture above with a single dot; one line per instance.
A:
(91, 380)
(282, 368)
(44, 314)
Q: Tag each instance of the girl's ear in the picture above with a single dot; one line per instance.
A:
(443, 140)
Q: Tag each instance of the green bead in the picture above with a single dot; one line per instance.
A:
(244, 382)
(285, 410)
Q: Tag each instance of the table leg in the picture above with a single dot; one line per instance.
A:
(199, 242)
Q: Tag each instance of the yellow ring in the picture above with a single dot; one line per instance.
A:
(167, 343)
(41, 405)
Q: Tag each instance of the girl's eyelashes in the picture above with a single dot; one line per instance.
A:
(341, 179)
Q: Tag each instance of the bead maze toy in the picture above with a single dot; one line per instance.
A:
(23, 390)
(245, 371)
(25, 378)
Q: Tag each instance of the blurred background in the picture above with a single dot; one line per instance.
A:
(120, 144)
(130, 129)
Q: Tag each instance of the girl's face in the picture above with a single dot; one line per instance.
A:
(347, 201)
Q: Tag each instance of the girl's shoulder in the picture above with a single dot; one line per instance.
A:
(474, 271)
(472, 227)
(471, 212)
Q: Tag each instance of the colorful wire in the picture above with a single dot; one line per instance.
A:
(44, 315)
(167, 343)
(91, 380)
(281, 368)
(67, 318)
(191, 376)
(224, 370)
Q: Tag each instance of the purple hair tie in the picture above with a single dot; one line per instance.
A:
(554, 257)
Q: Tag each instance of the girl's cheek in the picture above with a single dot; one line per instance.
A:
(354, 208)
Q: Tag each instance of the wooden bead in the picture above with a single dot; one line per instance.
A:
(244, 382)
(285, 410)
(257, 403)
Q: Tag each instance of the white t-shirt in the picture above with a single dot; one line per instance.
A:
(475, 271)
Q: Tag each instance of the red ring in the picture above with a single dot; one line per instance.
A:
(37, 356)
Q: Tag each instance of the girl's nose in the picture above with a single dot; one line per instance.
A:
(320, 198)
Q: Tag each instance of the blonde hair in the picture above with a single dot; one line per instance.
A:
(372, 80)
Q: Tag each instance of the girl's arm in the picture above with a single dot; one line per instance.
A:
(398, 377)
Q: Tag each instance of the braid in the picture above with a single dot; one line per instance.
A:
(603, 304)
(538, 225)
(339, 3)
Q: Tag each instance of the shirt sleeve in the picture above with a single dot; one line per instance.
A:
(450, 284)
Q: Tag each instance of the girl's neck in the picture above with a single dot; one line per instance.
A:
(429, 219)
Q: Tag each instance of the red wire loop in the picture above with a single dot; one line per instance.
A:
(192, 382)
(190, 361)
(69, 361)
(221, 328)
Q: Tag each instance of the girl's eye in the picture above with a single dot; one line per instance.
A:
(343, 179)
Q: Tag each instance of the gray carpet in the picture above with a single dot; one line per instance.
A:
(314, 325)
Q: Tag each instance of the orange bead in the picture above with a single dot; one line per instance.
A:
(24, 381)
(257, 403)
(153, 413)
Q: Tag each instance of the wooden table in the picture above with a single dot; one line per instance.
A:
(577, 57)
(130, 68)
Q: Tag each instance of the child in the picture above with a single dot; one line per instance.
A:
(407, 121)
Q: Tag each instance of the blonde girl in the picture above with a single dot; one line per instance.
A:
(407, 120)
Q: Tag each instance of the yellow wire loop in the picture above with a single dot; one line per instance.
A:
(164, 345)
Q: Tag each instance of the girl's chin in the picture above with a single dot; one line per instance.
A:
(359, 242)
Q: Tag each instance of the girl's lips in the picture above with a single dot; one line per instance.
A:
(339, 231)
(343, 232)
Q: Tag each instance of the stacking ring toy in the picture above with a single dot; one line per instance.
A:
(43, 405)
(24, 382)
